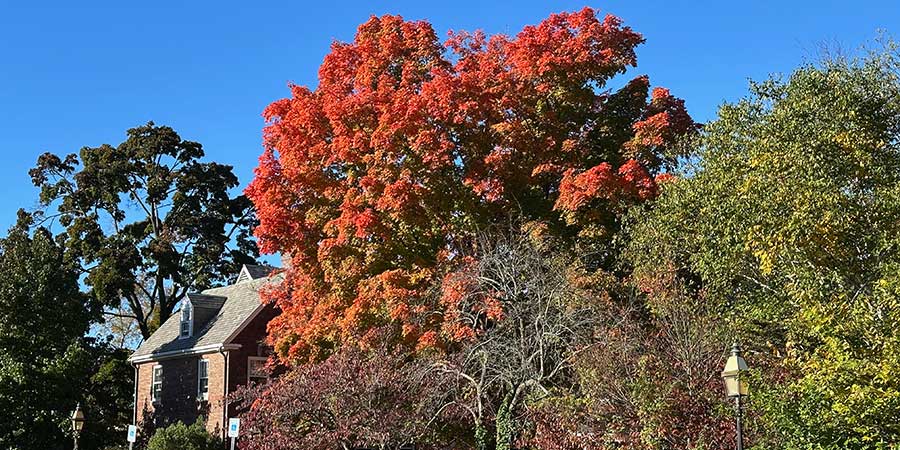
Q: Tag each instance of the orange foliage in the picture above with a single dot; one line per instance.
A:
(373, 179)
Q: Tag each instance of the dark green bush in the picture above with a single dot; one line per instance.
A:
(184, 437)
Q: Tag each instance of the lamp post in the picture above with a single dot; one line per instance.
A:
(77, 423)
(736, 387)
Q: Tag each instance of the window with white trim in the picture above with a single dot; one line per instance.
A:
(202, 379)
(256, 370)
(187, 325)
(156, 384)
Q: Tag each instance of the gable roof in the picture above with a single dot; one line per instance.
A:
(235, 306)
(253, 272)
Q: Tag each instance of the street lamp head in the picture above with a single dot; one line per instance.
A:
(735, 373)
(77, 419)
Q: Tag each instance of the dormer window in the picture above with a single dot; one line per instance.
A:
(187, 322)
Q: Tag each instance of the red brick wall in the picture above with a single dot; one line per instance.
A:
(178, 402)
(249, 340)
(142, 402)
(179, 394)
(214, 422)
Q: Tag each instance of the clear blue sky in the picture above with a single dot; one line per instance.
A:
(76, 74)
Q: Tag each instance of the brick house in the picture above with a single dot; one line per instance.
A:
(198, 356)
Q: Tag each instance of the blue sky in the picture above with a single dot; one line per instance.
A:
(76, 74)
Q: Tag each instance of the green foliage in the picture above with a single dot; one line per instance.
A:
(481, 437)
(105, 390)
(43, 317)
(505, 424)
(146, 220)
(790, 227)
(184, 437)
(46, 363)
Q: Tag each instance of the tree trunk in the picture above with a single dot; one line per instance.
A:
(505, 426)
(481, 437)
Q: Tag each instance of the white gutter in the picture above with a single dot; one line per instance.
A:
(188, 351)
(227, 356)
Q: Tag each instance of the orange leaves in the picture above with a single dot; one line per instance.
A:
(407, 145)
(631, 182)
(577, 190)
(664, 120)
(636, 182)
(464, 302)
(574, 43)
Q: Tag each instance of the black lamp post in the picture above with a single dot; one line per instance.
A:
(736, 387)
(77, 423)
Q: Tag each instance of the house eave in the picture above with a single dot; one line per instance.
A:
(213, 348)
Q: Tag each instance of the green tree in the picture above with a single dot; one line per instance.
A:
(146, 220)
(789, 226)
(43, 318)
(105, 388)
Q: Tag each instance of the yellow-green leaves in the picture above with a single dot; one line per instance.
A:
(791, 227)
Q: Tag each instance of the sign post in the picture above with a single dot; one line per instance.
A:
(234, 425)
(132, 436)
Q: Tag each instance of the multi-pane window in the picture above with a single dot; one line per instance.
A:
(203, 379)
(156, 384)
(256, 370)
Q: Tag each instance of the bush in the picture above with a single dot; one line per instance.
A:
(184, 437)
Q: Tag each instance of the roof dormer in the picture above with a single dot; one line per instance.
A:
(187, 320)
(196, 312)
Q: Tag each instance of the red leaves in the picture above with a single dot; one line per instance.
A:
(351, 400)
(576, 190)
(630, 182)
(665, 120)
(576, 44)
(407, 145)
(636, 182)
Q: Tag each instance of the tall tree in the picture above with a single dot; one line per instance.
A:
(789, 228)
(43, 318)
(373, 181)
(146, 220)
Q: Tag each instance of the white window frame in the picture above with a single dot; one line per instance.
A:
(255, 358)
(187, 317)
(204, 396)
(154, 380)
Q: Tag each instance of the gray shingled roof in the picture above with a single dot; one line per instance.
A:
(238, 302)
(206, 300)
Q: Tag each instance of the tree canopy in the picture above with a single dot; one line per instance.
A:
(43, 318)
(146, 221)
(788, 227)
(377, 179)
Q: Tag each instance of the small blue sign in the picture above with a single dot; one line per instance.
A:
(132, 433)
(233, 427)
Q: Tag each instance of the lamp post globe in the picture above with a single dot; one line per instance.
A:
(734, 376)
(77, 423)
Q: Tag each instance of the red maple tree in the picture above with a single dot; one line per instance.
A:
(373, 181)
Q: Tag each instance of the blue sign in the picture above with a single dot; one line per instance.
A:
(132, 433)
(233, 427)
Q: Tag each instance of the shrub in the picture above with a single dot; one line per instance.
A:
(184, 437)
